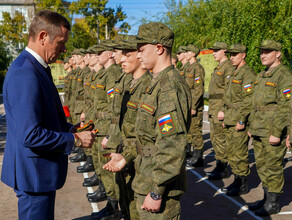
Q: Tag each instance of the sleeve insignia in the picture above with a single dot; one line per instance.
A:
(99, 86)
(110, 93)
(79, 80)
(236, 81)
(166, 124)
(248, 88)
(118, 90)
(74, 77)
(181, 73)
(132, 104)
(219, 73)
(191, 76)
(197, 80)
(256, 82)
(93, 87)
(148, 108)
(287, 93)
(271, 84)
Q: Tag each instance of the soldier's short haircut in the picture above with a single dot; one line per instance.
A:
(48, 21)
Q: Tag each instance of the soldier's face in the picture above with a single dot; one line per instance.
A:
(87, 59)
(180, 57)
(79, 59)
(236, 58)
(219, 55)
(104, 57)
(147, 55)
(93, 59)
(129, 60)
(117, 56)
(269, 57)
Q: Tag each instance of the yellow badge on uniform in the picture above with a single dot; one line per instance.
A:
(219, 73)
(286, 93)
(166, 124)
(236, 81)
(110, 93)
(271, 84)
(182, 73)
(248, 88)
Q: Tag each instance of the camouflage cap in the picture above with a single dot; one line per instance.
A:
(155, 33)
(75, 51)
(193, 48)
(96, 49)
(236, 48)
(128, 43)
(66, 60)
(181, 49)
(271, 45)
(108, 45)
(219, 46)
(82, 52)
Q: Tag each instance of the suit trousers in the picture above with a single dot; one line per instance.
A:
(35, 206)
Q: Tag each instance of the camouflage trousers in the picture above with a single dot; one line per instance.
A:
(269, 165)
(237, 150)
(195, 135)
(170, 208)
(217, 134)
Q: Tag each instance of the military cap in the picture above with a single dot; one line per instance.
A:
(155, 33)
(236, 48)
(108, 45)
(181, 49)
(95, 49)
(271, 45)
(128, 43)
(66, 60)
(193, 48)
(75, 51)
(219, 46)
(82, 51)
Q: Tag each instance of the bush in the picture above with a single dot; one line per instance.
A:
(2, 76)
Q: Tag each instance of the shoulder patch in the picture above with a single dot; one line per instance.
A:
(197, 80)
(181, 73)
(237, 81)
(166, 124)
(118, 90)
(99, 86)
(148, 108)
(190, 75)
(93, 87)
(132, 104)
(219, 73)
(248, 88)
(271, 84)
(79, 80)
(110, 93)
(256, 82)
(286, 93)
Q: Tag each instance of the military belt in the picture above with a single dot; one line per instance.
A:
(101, 115)
(80, 97)
(145, 151)
(129, 142)
(217, 96)
(115, 120)
(267, 108)
(233, 105)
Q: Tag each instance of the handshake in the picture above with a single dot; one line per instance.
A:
(85, 135)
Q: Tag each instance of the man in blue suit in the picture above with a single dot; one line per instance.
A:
(38, 140)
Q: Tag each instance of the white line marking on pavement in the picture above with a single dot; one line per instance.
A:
(284, 213)
(242, 207)
(206, 122)
(90, 190)
(2, 115)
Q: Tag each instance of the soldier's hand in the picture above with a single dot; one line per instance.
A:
(220, 116)
(117, 162)
(288, 142)
(274, 140)
(239, 127)
(104, 142)
(150, 204)
(86, 138)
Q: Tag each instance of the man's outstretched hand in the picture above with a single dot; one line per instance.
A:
(117, 162)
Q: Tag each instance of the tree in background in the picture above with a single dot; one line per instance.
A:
(233, 21)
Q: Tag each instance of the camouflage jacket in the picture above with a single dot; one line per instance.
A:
(162, 124)
(130, 106)
(88, 100)
(270, 102)
(103, 96)
(238, 95)
(195, 76)
(217, 85)
(67, 82)
(183, 68)
(73, 85)
(121, 85)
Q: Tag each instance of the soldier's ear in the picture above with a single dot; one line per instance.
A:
(279, 55)
(160, 49)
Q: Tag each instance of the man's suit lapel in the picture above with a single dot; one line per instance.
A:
(40, 69)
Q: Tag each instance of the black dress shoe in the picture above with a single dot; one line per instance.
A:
(78, 157)
(98, 195)
(110, 212)
(75, 150)
(87, 167)
(220, 171)
(271, 205)
(196, 160)
(92, 181)
(240, 186)
(258, 204)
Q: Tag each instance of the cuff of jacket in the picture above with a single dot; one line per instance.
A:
(276, 132)
(158, 189)
(70, 143)
(128, 157)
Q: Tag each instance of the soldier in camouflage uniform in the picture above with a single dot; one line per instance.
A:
(181, 56)
(174, 59)
(195, 76)
(162, 124)
(217, 86)
(268, 125)
(103, 96)
(237, 107)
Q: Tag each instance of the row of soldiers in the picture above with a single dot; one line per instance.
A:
(150, 115)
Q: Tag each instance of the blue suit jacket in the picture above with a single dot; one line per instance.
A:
(37, 142)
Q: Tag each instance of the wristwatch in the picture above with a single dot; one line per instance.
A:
(241, 122)
(155, 196)
(77, 141)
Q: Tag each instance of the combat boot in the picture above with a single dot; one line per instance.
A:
(240, 186)
(79, 157)
(91, 181)
(189, 150)
(197, 159)
(271, 205)
(87, 167)
(98, 195)
(75, 150)
(260, 203)
(225, 189)
(220, 171)
(110, 212)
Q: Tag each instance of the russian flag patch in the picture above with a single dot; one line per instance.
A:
(166, 124)
(287, 93)
(110, 93)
